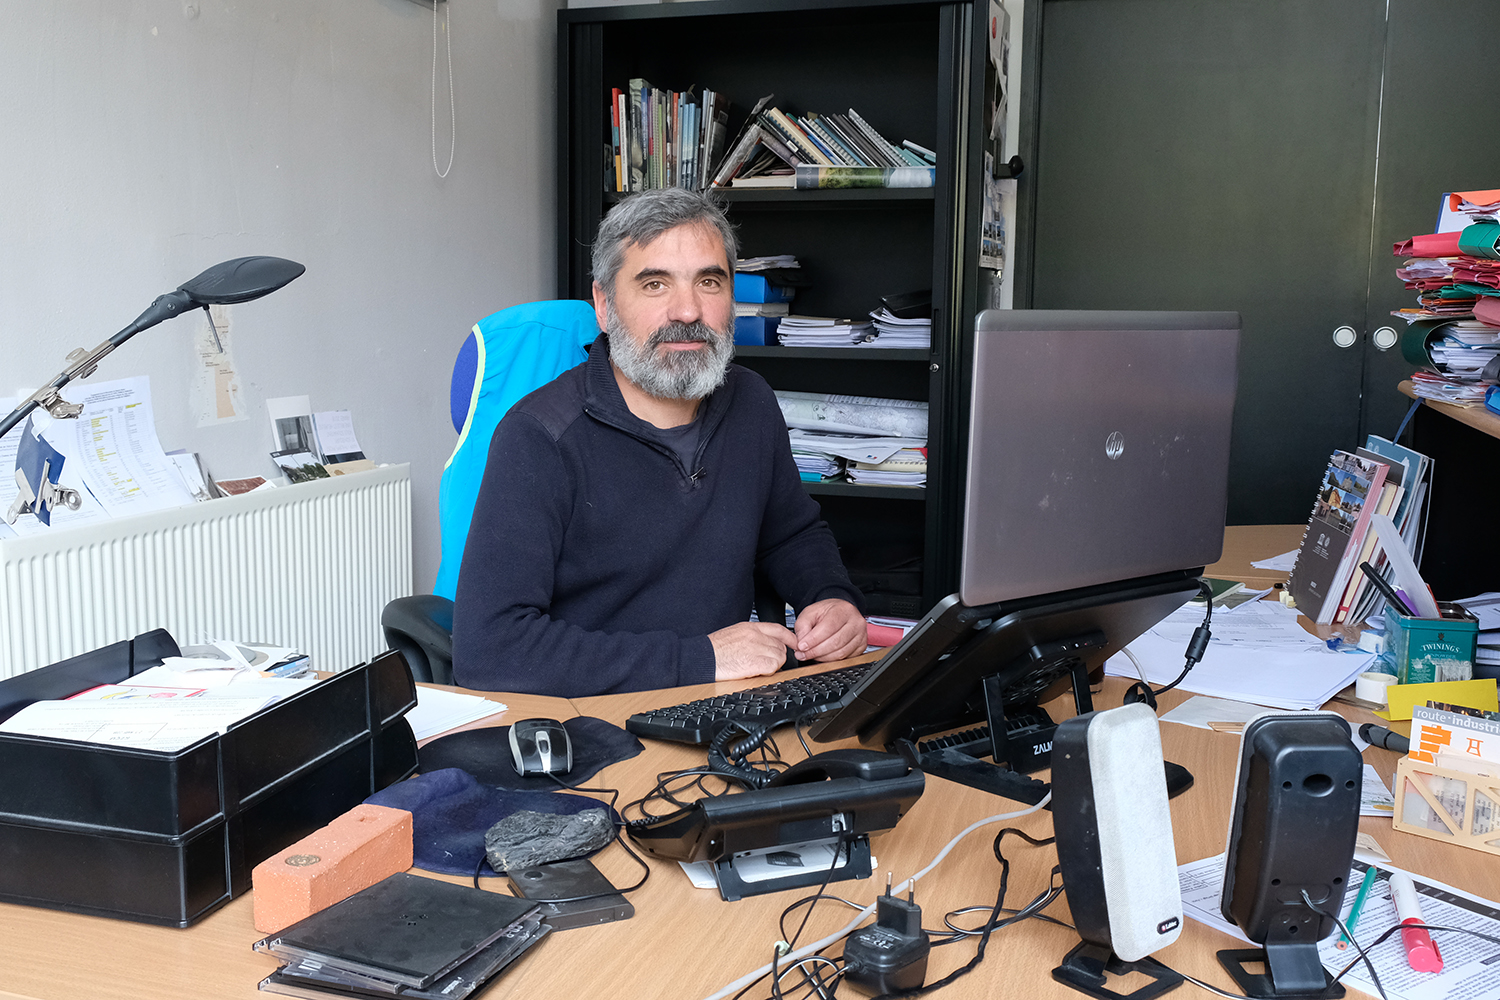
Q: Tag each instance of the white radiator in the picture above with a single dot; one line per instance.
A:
(309, 565)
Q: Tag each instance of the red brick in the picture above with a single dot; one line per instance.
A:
(361, 847)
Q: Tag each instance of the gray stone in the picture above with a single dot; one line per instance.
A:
(526, 838)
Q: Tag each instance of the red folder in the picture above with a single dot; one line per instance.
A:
(1433, 245)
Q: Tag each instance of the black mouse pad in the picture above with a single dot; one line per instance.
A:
(451, 810)
(485, 753)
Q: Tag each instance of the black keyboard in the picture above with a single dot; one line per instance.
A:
(778, 704)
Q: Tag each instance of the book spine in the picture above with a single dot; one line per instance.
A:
(794, 136)
(1358, 583)
(869, 150)
(773, 142)
(637, 136)
(846, 156)
(705, 150)
(1352, 546)
(737, 156)
(879, 140)
(834, 156)
(812, 176)
(614, 134)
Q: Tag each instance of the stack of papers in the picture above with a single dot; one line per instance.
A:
(821, 331)
(1487, 608)
(879, 441)
(1466, 347)
(1448, 388)
(816, 466)
(1259, 654)
(907, 467)
(892, 331)
(150, 717)
(752, 264)
(1468, 969)
(439, 711)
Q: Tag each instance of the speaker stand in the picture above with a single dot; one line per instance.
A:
(1085, 967)
(1292, 970)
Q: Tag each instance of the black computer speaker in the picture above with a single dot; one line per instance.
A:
(1292, 830)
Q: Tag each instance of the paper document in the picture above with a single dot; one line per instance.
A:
(1280, 564)
(1199, 711)
(27, 525)
(112, 448)
(143, 723)
(1468, 962)
(1259, 654)
(854, 414)
(439, 711)
(335, 431)
(1374, 798)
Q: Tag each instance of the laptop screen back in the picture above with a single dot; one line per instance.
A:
(1098, 448)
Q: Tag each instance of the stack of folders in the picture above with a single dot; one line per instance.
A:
(1455, 272)
(759, 305)
(1380, 480)
(823, 331)
(406, 936)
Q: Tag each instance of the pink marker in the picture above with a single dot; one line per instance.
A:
(1421, 953)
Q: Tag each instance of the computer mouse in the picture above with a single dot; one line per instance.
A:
(541, 746)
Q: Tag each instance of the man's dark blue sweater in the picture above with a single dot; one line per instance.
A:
(597, 562)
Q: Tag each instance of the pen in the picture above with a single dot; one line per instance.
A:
(1379, 736)
(1421, 953)
(1386, 591)
(1359, 905)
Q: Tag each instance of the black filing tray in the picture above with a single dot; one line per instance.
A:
(165, 838)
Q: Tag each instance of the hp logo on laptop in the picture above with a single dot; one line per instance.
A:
(1114, 445)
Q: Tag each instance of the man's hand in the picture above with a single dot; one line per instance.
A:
(830, 630)
(750, 649)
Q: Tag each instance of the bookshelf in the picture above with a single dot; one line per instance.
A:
(915, 70)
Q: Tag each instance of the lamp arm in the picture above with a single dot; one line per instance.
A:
(82, 364)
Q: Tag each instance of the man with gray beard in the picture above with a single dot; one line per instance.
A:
(627, 503)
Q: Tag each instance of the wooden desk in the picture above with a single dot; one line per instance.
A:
(686, 942)
(1247, 543)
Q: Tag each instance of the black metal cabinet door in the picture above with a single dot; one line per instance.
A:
(1221, 155)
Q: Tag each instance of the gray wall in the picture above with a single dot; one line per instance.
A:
(147, 139)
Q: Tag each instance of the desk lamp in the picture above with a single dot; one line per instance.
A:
(238, 280)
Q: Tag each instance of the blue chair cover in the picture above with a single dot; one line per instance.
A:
(507, 355)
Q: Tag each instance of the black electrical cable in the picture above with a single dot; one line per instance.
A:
(614, 794)
(994, 920)
(1197, 646)
(1374, 976)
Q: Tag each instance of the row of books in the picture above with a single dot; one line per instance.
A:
(1455, 272)
(665, 138)
(1382, 479)
(777, 149)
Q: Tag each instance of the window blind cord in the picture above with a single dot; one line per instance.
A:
(452, 108)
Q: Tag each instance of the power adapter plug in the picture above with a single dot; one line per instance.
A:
(890, 955)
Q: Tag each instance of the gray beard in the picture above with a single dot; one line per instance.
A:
(671, 374)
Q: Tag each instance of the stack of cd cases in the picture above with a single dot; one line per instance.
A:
(406, 936)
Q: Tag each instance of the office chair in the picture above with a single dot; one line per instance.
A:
(507, 355)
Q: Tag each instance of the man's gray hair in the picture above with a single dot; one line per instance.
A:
(643, 217)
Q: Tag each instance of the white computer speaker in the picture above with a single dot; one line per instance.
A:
(1114, 845)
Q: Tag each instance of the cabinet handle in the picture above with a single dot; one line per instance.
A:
(1345, 337)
